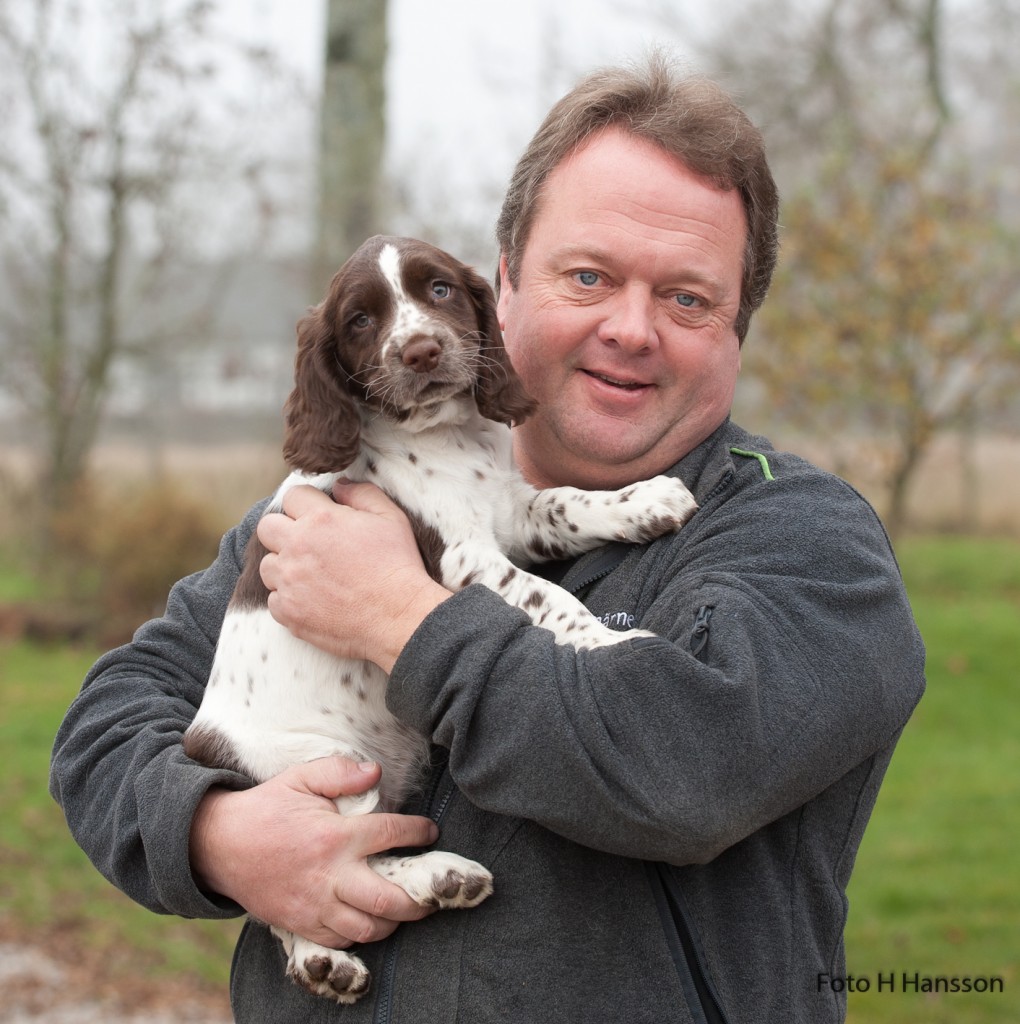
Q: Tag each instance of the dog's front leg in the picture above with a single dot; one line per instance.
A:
(548, 605)
(562, 522)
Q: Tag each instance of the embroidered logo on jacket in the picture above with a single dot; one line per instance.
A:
(618, 620)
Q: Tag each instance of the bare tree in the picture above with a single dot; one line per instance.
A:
(894, 314)
(353, 130)
(120, 165)
(894, 311)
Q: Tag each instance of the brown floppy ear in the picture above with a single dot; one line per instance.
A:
(499, 392)
(322, 425)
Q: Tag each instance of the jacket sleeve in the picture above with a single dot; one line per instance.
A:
(643, 749)
(118, 769)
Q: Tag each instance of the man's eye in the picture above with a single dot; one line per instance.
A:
(440, 290)
(587, 277)
(685, 300)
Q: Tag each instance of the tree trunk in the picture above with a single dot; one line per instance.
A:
(915, 442)
(353, 130)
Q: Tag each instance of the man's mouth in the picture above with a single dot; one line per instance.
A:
(624, 385)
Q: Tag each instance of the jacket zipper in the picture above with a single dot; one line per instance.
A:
(608, 558)
(684, 946)
(699, 635)
(434, 808)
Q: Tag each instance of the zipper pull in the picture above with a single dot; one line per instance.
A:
(699, 635)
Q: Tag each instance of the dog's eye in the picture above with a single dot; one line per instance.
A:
(441, 290)
(361, 321)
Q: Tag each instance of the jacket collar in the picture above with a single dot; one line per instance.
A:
(704, 469)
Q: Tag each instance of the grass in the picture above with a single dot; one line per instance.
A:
(936, 889)
(937, 884)
(48, 888)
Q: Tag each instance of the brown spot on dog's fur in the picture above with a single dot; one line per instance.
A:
(250, 592)
(430, 544)
(210, 747)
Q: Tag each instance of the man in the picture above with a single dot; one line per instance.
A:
(671, 825)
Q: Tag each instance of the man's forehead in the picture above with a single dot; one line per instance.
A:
(619, 183)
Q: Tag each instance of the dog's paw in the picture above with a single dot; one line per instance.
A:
(437, 879)
(652, 508)
(329, 972)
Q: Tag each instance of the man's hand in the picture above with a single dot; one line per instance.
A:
(346, 575)
(284, 853)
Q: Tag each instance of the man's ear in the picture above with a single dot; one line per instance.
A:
(505, 288)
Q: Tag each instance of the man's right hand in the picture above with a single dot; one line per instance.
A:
(284, 853)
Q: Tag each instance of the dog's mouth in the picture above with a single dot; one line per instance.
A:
(429, 392)
(403, 390)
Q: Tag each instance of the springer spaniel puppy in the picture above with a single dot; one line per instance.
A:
(402, 380)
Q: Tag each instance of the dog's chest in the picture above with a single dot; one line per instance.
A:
(459, 485)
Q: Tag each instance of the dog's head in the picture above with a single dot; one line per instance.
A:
(403, 329)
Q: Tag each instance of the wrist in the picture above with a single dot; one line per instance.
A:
(405, 621)
(205, 850)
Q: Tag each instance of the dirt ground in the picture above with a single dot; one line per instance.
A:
(61, 983)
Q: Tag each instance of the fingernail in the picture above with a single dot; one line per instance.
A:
(366, 766)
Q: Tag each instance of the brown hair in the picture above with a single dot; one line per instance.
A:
(689, 117)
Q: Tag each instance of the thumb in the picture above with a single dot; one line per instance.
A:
(365, 497)
(333, 777)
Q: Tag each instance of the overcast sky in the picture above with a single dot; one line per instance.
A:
(469, 80)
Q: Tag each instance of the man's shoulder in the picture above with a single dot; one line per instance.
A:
(756, 457)
(748, 487)
(732, 455)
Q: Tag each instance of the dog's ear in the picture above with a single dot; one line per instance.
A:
(322, 425)
(499, 392)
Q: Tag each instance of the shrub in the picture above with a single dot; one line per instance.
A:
(117, 551)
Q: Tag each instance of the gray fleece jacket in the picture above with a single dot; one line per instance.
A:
(671, 822)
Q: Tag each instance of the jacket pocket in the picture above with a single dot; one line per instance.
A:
(684, 946)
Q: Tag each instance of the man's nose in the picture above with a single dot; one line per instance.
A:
(630, 320)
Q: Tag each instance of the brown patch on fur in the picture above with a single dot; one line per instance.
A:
(545, 551)
(322, 425)
(430, 544)
(210, 747)
(250, 591)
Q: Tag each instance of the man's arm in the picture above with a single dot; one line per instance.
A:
(814, 664)
(141, 809)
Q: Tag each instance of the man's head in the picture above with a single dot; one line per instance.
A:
(690, 118)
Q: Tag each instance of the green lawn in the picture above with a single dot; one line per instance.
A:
(936, 890)
(937, 885)
(47, 886)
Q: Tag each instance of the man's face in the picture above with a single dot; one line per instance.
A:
(622, 323)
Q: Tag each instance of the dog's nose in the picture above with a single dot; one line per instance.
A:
(422, 355)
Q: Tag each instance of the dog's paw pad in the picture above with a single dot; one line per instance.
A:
(333, 974)
(460, 887)
(437, 879)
